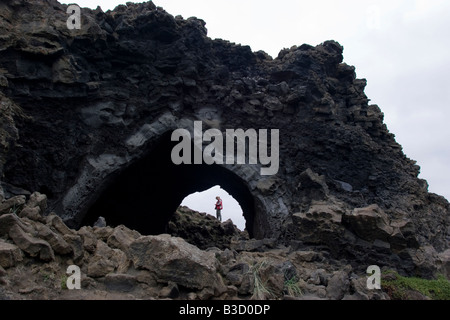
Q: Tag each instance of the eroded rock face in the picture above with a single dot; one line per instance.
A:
(120, 263)
(173, 259)
(203, 230)
(10, 254)
(87, 115)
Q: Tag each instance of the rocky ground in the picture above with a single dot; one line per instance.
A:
(119, 263)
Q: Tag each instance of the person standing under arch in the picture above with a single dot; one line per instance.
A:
(219, 208)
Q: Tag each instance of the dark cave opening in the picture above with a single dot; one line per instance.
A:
(145, 195)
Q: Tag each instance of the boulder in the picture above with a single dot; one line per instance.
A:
(7, 221)
(99, 267)
(320, 224)
(236, 274)
(10, 254)
(33, 246)
(89, 239)
(338, 285)
(103, 233)
(100, 223)
(226, 256)
(122, 237)
(120, 282)
(56, 241)
(107, 260)
(369, 223)
(56, 223)
(173, 259)
(317, 277)
(38, 200)
(32, 213)
(12, 205)
(76, 242)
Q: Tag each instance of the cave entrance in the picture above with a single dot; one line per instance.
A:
(204, 202)
(146, 194)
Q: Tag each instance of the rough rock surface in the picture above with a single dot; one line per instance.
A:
(203, 230)
(164, 266)
(173, 259)
(86, 117)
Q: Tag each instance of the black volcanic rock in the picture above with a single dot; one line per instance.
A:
(203, 230)
(86, 118)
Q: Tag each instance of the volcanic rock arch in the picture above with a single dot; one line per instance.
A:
(82, 111)
(145, 194)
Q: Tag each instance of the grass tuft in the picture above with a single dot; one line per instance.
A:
(292, 287)
(260, 290)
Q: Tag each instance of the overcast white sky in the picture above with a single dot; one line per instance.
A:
(402, 48)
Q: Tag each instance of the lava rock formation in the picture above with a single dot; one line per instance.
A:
(87, 115)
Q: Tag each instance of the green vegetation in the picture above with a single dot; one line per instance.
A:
(260, 274)
(64, 281)
(260, 289)
(400, 288)
(292, 287)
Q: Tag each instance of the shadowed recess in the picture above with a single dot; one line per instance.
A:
(145, 195)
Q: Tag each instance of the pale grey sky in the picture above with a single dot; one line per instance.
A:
(205, 202)
(402, 48)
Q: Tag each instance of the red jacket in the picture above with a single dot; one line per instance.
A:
(219, 205)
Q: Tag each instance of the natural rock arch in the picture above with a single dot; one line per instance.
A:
(145, 194)
(120, 187)
(82, 106)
